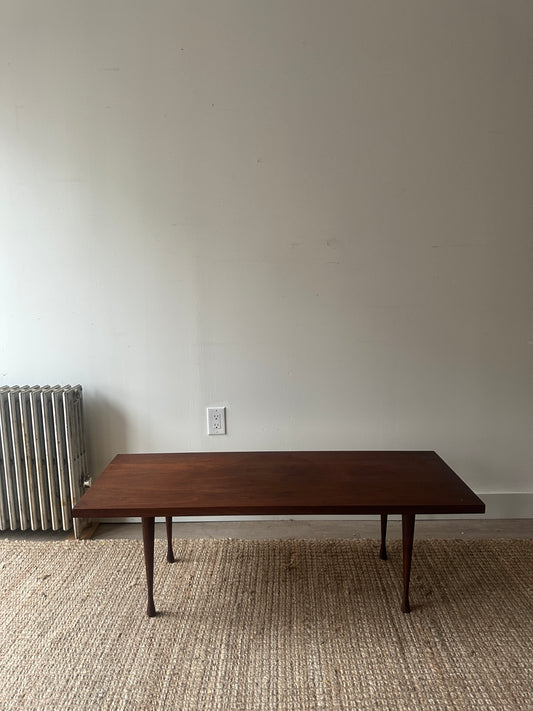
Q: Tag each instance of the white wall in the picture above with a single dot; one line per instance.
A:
(316, 213)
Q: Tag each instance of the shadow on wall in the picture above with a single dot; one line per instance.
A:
(105, 431)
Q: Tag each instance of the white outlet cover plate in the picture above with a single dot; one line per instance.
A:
(216, 420)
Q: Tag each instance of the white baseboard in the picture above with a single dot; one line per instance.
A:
(499, 506)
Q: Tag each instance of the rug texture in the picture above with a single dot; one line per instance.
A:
(291, 625)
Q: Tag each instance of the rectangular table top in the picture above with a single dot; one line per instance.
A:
(285, 483)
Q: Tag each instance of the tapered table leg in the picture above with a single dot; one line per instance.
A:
(383, 550)
(408, 532)
(170, 552)
(148, 541)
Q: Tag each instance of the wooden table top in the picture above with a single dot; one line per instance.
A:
(285, 483)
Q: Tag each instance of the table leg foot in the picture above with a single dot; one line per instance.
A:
(170, 552)
(383, 550)
(148, 524)
(408, 531)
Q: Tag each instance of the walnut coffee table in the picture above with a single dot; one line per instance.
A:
(286, 483)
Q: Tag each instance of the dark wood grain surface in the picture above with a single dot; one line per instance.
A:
(237, 483)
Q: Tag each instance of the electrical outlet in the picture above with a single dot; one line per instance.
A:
(216, 420)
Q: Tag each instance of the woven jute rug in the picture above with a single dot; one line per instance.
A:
(292, 625)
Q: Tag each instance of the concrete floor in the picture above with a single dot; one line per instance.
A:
(449, 528)
(466, 528)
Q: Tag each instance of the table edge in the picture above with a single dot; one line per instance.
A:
(113, 512)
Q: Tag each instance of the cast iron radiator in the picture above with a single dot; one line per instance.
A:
(43, 458)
